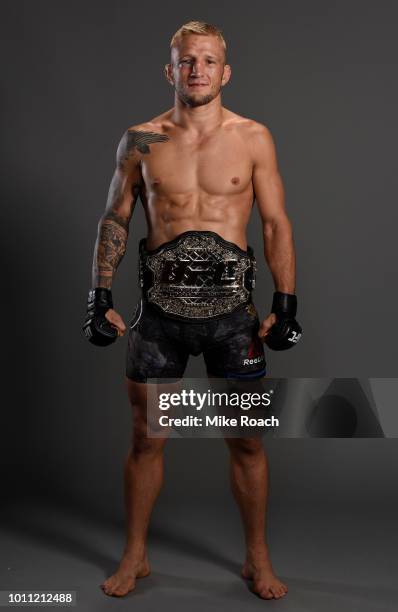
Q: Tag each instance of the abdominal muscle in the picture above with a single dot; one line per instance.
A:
(227, 216)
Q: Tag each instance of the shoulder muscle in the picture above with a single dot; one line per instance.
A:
(261, 145)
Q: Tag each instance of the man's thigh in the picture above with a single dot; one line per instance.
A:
(144, 401)
(236, 351)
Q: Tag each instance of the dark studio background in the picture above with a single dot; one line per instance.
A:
(75, 75)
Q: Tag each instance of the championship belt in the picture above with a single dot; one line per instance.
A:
(199, 275)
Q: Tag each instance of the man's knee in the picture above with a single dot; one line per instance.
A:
(245, 448)
(142, 444)
(146, 447)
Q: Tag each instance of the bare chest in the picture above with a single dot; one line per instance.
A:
(215, 165)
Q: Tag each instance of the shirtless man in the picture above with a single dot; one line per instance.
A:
(197, 168)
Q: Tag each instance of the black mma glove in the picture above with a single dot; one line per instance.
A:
(286, 332)
(96, 327)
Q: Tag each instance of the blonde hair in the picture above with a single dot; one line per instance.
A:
(201, 28)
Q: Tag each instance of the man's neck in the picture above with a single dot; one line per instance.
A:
(200, 119)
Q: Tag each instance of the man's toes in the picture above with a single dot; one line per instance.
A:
(107, 591)
(107, 583)
(264, 593)
(277, 591)
(108, 587)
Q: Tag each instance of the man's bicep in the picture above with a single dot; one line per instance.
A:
(126, 182)
(123, 193)
(269, 194)
(267, 182)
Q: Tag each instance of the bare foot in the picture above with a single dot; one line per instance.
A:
(265, 583)
(123, 580)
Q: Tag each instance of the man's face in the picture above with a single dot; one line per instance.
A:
(197, 69)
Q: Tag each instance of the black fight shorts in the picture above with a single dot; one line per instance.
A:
(159, 346)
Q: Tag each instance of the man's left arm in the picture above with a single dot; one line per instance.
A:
(277, 232)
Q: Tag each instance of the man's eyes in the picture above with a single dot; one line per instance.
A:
(190, 61)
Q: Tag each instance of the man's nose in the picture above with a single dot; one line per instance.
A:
(197, 69)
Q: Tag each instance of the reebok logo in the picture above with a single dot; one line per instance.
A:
(254, 354)
(254, 360)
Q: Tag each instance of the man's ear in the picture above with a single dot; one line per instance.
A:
(168, 73)
(226, 74)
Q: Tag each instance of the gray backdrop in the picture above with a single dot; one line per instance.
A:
(75, 75)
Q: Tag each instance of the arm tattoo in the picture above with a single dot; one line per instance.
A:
(141, 140)
(112, 238)
(113, 228)
(110, 248)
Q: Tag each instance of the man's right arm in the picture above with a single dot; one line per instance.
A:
(103, 324)
(114, 224)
